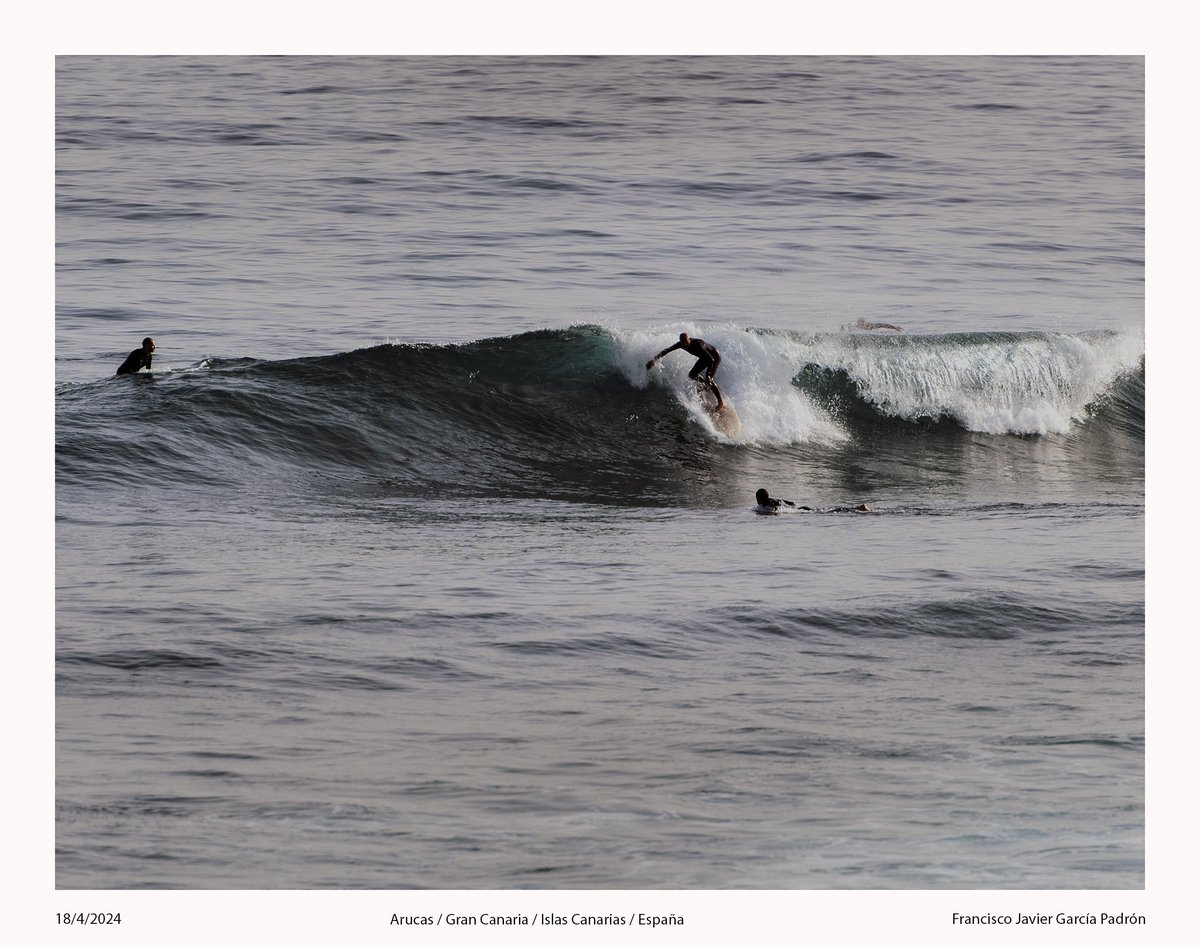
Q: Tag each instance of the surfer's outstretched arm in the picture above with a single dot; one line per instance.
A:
(665, 351)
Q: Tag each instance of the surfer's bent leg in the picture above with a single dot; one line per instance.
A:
(707, 367)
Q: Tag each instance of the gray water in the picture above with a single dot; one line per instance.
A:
(286, 662)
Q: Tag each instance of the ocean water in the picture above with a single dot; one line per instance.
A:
(400, 571)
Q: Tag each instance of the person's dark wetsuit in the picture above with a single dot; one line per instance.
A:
(138, 358)
(708, 359)
(767, 504)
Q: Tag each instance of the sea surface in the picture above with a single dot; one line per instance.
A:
(400, 570)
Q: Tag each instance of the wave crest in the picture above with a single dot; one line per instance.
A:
(574, 411)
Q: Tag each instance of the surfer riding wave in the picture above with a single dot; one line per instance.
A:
(708, 359)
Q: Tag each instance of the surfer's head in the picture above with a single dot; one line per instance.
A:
(683, 338)
(148, 344)
(761, 497)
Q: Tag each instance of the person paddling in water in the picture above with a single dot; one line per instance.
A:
(765, 502)
(708, 359)
(138, 358)
(768, 504)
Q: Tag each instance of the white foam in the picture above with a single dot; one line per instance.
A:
(1030, 383)
(756, 375)
(1039, 382)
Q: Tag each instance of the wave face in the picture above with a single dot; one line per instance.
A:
(574, 413)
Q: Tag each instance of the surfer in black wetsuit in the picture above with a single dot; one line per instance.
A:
(138, 358)
(766, 503)
(708, 359)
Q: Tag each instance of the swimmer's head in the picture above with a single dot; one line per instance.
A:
(761, 496)
(148, 344)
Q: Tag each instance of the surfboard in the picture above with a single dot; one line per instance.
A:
(724, 421)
